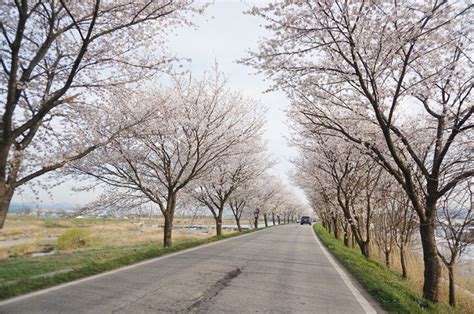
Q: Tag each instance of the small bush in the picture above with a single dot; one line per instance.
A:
(73, 238)
(21, 249)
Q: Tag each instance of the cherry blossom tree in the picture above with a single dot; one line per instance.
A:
(197, 124)
(280, 203)
(267, 189)
(316, 185)
(456, 214)
(239, 201)
(385, 220)
(353, 178)
(379, 63)
(404, 222)
(276, 199)
(266, 195)
(245, 164)
(56, 58)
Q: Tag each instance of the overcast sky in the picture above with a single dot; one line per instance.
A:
(223, 34)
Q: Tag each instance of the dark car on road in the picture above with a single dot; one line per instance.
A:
(305, 220)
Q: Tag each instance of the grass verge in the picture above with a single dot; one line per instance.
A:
(387, 287)
(25, 274)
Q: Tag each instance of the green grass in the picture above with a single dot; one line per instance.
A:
(74, 238)
(83, 262)
(386, 286)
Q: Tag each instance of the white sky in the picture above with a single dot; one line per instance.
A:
(223, 34)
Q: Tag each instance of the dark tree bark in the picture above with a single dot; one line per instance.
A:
(403, 262)
(219, 225)
(452, 295)
(387, 258)
(256, 214)
(169, 216)
(6, 195)
(346, 234)
(237, 208)
(335, 225)
(432, 270)
(239, 227)
(364, 248)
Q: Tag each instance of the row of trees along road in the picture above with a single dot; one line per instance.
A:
(391, 82)
(200, 140)
(79, 92)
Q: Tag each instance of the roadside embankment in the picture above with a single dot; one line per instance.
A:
(386, 286)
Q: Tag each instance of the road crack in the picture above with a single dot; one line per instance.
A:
(213, 291)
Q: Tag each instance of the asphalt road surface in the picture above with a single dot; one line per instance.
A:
(277, 270)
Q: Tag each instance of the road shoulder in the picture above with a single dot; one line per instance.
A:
(366, 301)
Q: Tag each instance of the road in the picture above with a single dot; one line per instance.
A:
(277, 270)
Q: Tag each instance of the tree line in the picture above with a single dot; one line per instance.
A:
(382, 114)
(89, 90)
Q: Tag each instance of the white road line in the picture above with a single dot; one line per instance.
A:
(357, 295)
(72, 283)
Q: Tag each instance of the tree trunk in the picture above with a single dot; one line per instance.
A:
(237, 220)
(346, 235)
(363, 244)
(256, 220)
(335, 228)
(6, 195)
(278, 218)
(219, 225)
(452, 296)
(336, 232)
(168, 230)
(430, 257)
(403, 262)
(219, 220)
(273, 218)
(346, 239)
(265, 218)
(288, 219)
(387, 258)
(364, 248)
(169, 215)
(353, 239)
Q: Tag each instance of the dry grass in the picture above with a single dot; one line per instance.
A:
(25, 235)
(22, 249)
